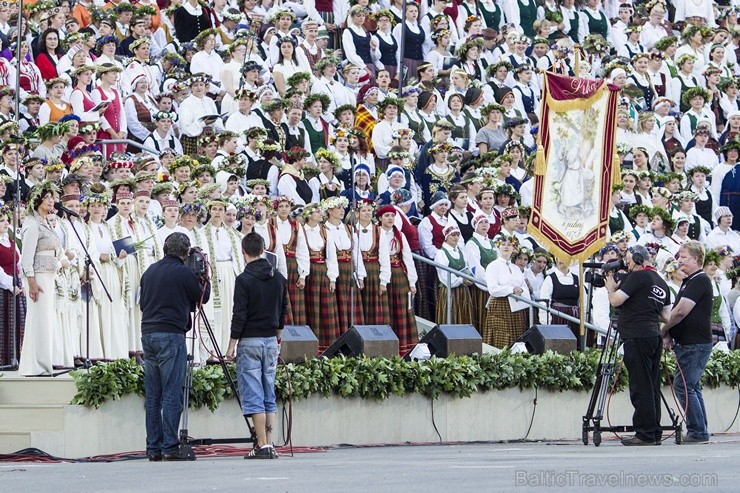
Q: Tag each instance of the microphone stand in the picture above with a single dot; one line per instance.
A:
(353, 163)
(88, 263)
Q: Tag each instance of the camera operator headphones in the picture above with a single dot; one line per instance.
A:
(639, 254)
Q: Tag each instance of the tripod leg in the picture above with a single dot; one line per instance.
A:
(227, 373)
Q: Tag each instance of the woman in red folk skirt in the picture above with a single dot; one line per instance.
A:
(11, 324)
(397, 279)
(296, 259)
(375, 306)
(321, 307)
(351, 269)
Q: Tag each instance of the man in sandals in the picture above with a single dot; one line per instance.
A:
(260, 306)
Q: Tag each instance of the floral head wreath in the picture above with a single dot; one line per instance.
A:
(278, 13)
(280, 199)
(207, 139)
(38, 191)
(7, 91)
(699, 169)
(340, 133)
(258, 181)
(312, 98)
(686, 57)
(234, 165)
(502, 238)
(596, 43)
(200, 39)
(248, 210)
(207, 189)
(443, 147)
(298, 77)
(6, 210)
(264, 146)
(376, 16)
(389, 101)
(440, 33)
(326, 62)
(52, 129)
(53, 165)
(619, 236)
(402, 132)
(182, 162)
(712, 256)
(204, 168)
(333, 203)
(309, 209)
(523, 250)
(192, 208)
(103, 198)
(329, 156)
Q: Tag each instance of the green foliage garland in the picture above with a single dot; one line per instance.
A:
(379, 378)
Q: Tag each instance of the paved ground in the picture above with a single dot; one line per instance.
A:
(562, 466)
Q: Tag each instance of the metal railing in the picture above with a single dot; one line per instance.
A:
(108, 142)
(482, 284)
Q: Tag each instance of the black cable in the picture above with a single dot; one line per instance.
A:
(288, 439)
(534, 411)
(434, 423)
(737, 410)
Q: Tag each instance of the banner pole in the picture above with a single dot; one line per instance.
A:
(577, 68)
(581, 311)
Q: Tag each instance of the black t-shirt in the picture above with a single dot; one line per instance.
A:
(695, 328)
(648, 293)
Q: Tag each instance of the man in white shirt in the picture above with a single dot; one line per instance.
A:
(163, 137)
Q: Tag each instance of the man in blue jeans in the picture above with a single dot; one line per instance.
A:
(689, 332)
(170, 290)
(260, 306)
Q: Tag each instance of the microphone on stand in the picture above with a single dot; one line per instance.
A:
(58, 206)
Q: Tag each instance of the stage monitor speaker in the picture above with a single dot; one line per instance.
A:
(556, 338)
(299, 344)
(444, 340)
(370, 340)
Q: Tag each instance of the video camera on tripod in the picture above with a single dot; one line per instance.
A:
(597, 278)
(198, 263)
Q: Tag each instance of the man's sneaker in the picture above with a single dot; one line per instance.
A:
(635, 441)
(260, 453)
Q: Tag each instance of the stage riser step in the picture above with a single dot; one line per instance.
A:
(36, 390)
(14, 418)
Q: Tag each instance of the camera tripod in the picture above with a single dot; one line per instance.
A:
(605, 372)
(187, 442)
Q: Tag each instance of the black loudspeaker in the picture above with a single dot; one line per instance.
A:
(557, 338)
(370, 340)
(444, 340)
(299, 343)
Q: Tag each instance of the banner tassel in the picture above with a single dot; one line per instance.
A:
(540, 163)
(616, 169)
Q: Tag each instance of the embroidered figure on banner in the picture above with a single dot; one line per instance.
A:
(576, 155)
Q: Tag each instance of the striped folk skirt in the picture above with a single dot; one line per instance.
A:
(349, 299)
(297, 297)
(11, 334)
(480, 298)
(503, 327)
(402, 315)
(462, 305)
(425, 304)
(375, 306)
(321, 307)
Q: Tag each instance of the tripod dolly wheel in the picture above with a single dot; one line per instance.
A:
(597, 438)
(584, 436)
(679, 436)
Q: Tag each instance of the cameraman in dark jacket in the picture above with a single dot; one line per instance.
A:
(260, 306)
(170, 291)
(644, 300)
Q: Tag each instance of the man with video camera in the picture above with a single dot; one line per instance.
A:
(170, 291)
(644, 300)
(260, 307)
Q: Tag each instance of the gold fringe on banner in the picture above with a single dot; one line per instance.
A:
(540, 161)
(616, 169)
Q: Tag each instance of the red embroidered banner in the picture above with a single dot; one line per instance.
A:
(576, 165)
